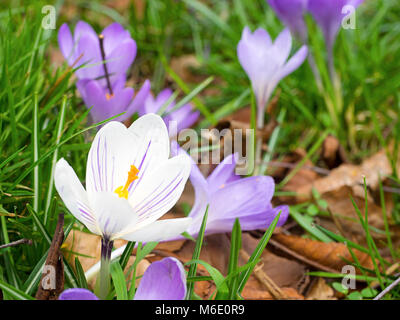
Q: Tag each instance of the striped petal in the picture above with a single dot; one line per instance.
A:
(74, 195)
(158, 192)
(110, 156)
(159, 230)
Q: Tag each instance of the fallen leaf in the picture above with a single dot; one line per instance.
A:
(320, 290)
(331, 254)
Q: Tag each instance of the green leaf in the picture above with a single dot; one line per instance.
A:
(118, 278)
(14, 292)
(217, 277)
(257, 252)
(355, 296)
(123, 260)
(31, 283)
(236, 245)
(80, 274)
(340, 287)
(369, 293)
(196, 255)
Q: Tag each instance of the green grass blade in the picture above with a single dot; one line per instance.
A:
(196, 255)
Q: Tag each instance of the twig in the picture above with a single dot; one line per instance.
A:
(269, 284)
(387, 289)
(16, 243)
(52, 281)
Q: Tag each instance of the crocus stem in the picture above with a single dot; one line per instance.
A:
(334, 78)
(106, 248)
(103, 57)
(315, 71)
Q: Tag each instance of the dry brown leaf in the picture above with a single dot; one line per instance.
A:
(253, 290)
(184, 66)
(349, 175)
(321, 291)
(329, 254)
(284, 272)
(332, 152)
(304, 176)
(340, 205)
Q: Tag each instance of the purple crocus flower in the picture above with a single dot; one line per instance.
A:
(265, 63)
(291, 12)
(163, 280)
(176, 120)
(328, 14)
(103, 105)
(230, 197)
(114, 46)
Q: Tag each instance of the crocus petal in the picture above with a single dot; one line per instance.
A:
(138, 101)
(223, 173)
(77, 294)
(184, 118)
(159, 190)
(83, 28)
(282, 46)
(328, 15)
(159, 230)
(251, 194)
(163, 280)
(151, 145)
(74, 195)
(199, 183)
(66, 43)
(291, 12)
(112, 213)
(119, 60)
(294, 62)
(88, 47)
(248, 198)
(114, 35)
(109, 158)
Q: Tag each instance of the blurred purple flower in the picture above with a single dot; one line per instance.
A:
(230, 197)
(118, 46)
(265, 63)
(163, 280)
(77, 294)
(103, 105)
(291, 12)
(176, 120)
(328, 14)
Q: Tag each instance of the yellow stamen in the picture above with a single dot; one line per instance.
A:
(122, 191)
(109, 96)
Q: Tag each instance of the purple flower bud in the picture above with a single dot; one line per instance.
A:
(291, 12)
(328, 14)
(265, 63)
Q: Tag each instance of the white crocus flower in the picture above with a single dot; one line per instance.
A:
(130, 183)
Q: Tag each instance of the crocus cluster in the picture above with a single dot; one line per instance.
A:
(162, 280)
(102, 62)
(327, 13)
(176, 120)
(266, 63)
